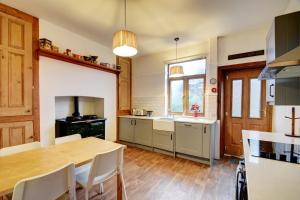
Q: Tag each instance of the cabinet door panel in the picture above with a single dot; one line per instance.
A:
(206, 141)
(124, 85)
(15, 133)
(163, 140)
(124, 101)
(16, 34)
(143, 132)
(189, 139)
(126, 130)
(16, 78)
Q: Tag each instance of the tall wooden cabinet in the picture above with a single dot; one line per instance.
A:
(124, 105)
(19, 111)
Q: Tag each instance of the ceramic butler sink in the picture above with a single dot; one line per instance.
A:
(164, 124)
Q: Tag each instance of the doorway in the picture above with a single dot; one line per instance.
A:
(244, 105)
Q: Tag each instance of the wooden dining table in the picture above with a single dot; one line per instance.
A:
(42, 160)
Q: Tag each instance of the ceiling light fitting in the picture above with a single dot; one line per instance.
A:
(176, 70)
(124, 41)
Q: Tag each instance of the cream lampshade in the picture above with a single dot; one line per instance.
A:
(124, 43)
(176, 71)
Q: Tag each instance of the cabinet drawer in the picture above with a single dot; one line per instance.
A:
(163, 140)
(189, 125)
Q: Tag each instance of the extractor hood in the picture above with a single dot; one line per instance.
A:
(283, 48)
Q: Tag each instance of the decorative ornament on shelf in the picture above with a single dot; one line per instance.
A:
(124, 41)
(176, 70)
(196, 108)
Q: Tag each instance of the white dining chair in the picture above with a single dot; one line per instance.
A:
(69, 138)
(19, 148)
(47, 186)
(104, 166)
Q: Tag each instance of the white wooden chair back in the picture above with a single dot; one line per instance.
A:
(68, 138)
(19, 148)
(108, 163)
(48, 186)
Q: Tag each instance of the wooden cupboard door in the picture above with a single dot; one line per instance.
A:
(125, 86)
(16, 77)
(15, 133)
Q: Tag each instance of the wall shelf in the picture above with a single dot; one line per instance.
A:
(69, 59)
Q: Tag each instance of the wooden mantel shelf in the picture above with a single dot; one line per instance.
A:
(69, 59)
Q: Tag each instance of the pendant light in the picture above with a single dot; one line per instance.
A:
(176, 70)
(124, 41)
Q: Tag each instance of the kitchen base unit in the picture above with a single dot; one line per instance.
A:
(195, 141)
(136, 132)
(192, 139)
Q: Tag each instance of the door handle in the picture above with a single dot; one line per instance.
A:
(171, 137)
(187, 125)
(270, 93)
(204, 130)
(131, 122)
(135, 122)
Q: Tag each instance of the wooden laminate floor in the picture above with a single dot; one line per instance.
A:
(153, 176)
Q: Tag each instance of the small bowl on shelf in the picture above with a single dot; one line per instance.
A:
(94, 59)
(87, 58)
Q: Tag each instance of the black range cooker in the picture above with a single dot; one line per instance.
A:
(86, 125)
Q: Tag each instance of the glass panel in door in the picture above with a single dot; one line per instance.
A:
(255, 98)
(237, 93)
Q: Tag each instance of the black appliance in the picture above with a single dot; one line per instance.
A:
(86, 125)
(275, 151)
(241, 182)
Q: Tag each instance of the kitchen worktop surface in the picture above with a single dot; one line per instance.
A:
(175, 119)
(270, 178)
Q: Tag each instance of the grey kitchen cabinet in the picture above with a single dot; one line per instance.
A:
(163, 140)
(143, 132)
(138, 131)
(206, 142)
(126, 129)
(270, 90)
(189, 138)
(287, 91)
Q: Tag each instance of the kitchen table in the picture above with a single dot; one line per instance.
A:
(35, 162)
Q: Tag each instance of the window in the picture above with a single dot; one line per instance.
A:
(189, 89)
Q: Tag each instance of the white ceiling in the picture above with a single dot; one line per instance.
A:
(155, 22)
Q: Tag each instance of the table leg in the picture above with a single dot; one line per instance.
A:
(119, 187)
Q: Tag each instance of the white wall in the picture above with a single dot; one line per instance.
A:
(242, 42)
(64, 106)
(148, 79)
(59, 78)
(293, 6)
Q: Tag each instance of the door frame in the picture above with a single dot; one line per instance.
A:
(222, 70)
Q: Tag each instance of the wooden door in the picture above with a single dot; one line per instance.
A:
(124, 85)
(15, 133)
(245, 107)
(16, 70)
